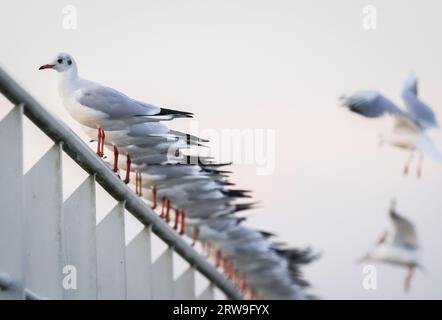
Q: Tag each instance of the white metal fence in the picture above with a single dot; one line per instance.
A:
(42, 237)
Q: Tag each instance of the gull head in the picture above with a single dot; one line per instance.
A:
(63, 62)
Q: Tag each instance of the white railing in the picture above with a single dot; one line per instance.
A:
(42, 236)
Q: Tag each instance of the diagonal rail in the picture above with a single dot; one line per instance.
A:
(61, 134)
(9, 283)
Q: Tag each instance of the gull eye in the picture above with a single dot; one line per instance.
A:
(60, 60)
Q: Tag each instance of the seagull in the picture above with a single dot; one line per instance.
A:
(398, 248)
(191, 185)
(140, 138)
(410, 125)
(100, 107)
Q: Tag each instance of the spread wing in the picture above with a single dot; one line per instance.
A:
(418, 110)
(370, 104)
(405, 232)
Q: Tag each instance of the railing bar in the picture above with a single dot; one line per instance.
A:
(9, 283)
(29, 295)
(87, 159)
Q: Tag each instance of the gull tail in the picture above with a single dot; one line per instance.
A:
(426, 145)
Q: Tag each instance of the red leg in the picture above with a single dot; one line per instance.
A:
(420, 164)
(249, 292)
(128, 163)
(243, 286)
(140, 183)
(408, 278)
(231, 271)
(163, 206)
(407, 164)
(99, 143)
(183, 223)
(223, 265)
(167, 217)
(218, 257)
(235, 278)
(177, 218)
(137, 186)
(254, 294)
(206, 249)
(209, 249)
(103, 137)
(154, 198)
(226, 266)
(196, 234)
(116, 153)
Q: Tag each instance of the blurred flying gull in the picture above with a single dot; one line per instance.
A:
(409, 125)
(399, 247)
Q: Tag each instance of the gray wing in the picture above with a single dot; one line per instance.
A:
(116, 104)
(146, 129)
(370, 104)
(419, 111)
(405, 233)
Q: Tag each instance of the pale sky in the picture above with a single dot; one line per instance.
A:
(277, 65)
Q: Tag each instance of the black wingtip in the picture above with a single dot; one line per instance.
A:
(246, 206)
(184, 114)
(237, 193)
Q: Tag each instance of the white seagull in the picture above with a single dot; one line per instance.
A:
(409, 125)
(399, 247)
(100, 107)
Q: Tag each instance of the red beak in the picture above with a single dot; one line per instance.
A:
(46, 66)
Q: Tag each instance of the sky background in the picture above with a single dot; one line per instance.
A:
(278, 65)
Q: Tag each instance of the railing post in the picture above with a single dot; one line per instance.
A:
(162, 282)
(11, 200)
(208, 293)
(79, 243)
(111, 255)
(43, 222)
(139, 266)
(185, 285)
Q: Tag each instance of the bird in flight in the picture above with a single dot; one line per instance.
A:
(410, 125)
(399, 247)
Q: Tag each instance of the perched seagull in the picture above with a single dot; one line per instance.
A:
(397, 248)
(196, 189)
(142, 138)
(100, 107)
(409, 125)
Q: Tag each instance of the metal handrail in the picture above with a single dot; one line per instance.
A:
(59, 132)
(9, 283)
